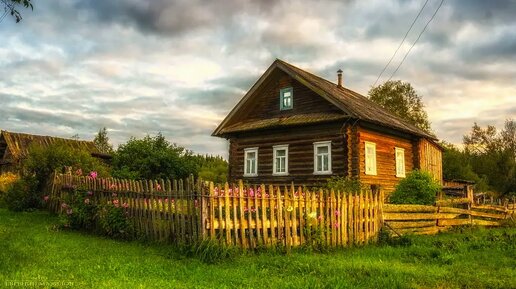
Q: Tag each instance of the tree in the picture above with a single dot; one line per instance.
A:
(493, 155)
(152, 158)
(10, 7)
(401, 99)
(101, 141)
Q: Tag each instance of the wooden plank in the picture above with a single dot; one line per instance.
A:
(212, 210)
(243, 239)
(263, 205)
(252, 242)
(410, 224)
(279, 204)
(485, 223)
(486, 215)
(226, 214)
(453, 222)
(301, 213)
(392, 208)
(293, 214)
(502, 209)
(418, 216)
(451, 202)
(287, 215)
(333, 219)
(259, 239)
(272, 205)
(420, 231)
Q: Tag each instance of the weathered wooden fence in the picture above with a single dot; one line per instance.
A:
(420, 219)
(189, 211)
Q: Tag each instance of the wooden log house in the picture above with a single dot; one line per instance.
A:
(293, 126)
(15, 146)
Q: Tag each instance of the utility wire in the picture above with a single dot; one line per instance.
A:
(422, 31)
(404, 37)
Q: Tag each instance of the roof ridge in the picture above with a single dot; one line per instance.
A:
(353, 93)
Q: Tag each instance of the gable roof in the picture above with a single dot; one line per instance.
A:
(18, 144)
(353, 104)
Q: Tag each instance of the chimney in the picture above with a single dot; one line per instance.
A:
(339, 78)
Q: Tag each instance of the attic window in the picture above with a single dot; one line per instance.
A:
(286, 98)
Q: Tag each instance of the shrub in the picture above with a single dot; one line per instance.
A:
(343, 184)
(38, 167)
(22, 195)
(417, 188)
(79, 211)
(6, 181)
(113, 221)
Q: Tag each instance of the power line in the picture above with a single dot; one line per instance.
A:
(422, 31)
(395, 52)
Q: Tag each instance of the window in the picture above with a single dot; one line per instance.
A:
(400, 162)
(370, 158)
(322, 158)
(251, 162)
(286, 98)
(280, 162)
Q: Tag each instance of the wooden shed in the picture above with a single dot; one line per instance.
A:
(15, 146)
(293, 126)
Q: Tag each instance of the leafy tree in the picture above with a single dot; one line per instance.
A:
(212, 168)
(10, 7)
(152, 158)
(457, 165)
(101, 141)
(401, 99)
(492, 154)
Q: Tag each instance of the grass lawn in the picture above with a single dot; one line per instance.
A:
(30, 250)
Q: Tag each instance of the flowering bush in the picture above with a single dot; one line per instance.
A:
(113, 220)
(78, 211)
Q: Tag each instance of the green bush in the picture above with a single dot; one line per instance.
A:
(23, 195)
(343, 184)
(113, 221)
(417, 188)
(37, 169)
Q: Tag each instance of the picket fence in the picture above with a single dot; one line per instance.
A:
(187, 211)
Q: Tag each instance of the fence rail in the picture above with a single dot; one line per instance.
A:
(420, 219)
(189, 211)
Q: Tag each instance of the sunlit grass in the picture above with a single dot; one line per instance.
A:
(31, 250)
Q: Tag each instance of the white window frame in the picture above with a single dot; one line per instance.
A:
(274, 162)
(318, 145)
(400, 162)
(370, 170)
(250, 150)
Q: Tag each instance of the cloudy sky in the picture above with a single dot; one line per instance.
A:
(139, 67)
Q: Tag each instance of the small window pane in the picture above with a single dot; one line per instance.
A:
(280, 153)
(322, 150)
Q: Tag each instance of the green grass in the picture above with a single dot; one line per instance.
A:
(32, 251)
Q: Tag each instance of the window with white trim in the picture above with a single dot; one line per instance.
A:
(280, 161)
(400, 162)
(250, 162)
(286, 98)
(322, 158)
(370, 158)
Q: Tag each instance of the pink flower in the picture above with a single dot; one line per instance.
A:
(86, 201)
(64, 205)
(90, 193)
(172, 201)
(251, 192)
(158, 187)
(115, 202)
(125, 205)
(320, 218)
(78, 172)
(93, 175)
(69, 211)
(336, 224)
(45, 198)
(337, 213)
(114, 195)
